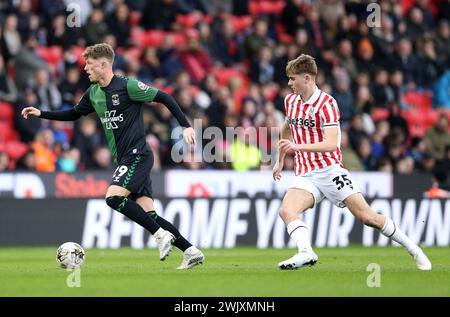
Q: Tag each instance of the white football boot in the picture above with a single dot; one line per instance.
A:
(421, 259)
(192, 257)
(164, 240)
(306, 258)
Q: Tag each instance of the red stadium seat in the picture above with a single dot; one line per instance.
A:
(52, 54)
(266, 7)
(135, 18)
(16, 149)
(189, 21)
(241, 22)
(6, 113)
(152, 38)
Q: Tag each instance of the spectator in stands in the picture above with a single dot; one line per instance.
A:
(262, 69)
(160, 14)
(415, 26)
(364, 100)
(119, 24)
(95, 28)
(8, 90)
(27, 62)
(396, 120)
(68, 161)
(43, 151)
(87, 139)
(405, 165)
(441, 39)
(102, 158)
(11, 42)
(417, 151)
(60, 34)
(382, 93)
(69, 86)
(293, 16)
(257, 39)
(191, 6)
(405, 60)
(344, 97)
(350, 158)
(195, 60)
(429, 64)
(27, 161)
(346, 59)
(378, 139)
(4, 161)
(49, 97)
(441, 93)
(244, 152)
(27, 129)
(439, 187)
(364, 151)
(226, 46)
(437, 138)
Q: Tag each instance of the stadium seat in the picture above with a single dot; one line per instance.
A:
(241, 22)
(189, 21)
(52, 54)
(151, 38)
(6, 113)
(379, 114)
(16, 149)
(257, 8)
(135, 18)
(282, 35)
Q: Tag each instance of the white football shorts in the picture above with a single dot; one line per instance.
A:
(333, 182)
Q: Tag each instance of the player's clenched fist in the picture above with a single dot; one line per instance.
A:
(31, 111)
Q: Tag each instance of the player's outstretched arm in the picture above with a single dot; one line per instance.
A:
(66, 115)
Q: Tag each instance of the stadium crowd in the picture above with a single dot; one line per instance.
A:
(224, 62)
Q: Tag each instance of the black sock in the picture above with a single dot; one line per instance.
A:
(132, 210)
(180, 242)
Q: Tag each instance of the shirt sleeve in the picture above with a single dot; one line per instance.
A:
(330, 114)
(84, 106)
(138, 91)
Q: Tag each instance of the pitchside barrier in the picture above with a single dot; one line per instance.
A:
(214, 209)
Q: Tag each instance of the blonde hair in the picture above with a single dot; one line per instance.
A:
(98, 51)
(304, 64)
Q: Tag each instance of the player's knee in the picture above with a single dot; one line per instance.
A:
(116, 202)
(286, 212)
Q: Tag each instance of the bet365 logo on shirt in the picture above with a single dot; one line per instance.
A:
(110, 119)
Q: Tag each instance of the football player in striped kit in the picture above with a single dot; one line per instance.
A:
(312, 131)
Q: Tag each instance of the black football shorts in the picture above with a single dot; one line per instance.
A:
(133, 173)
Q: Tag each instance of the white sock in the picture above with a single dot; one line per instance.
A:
(191, 250)
(392, 231)
(158, 233)
(299, 233)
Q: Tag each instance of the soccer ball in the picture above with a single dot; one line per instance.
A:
(70, 255)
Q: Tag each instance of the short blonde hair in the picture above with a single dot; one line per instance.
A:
(304, 64)
(98, 51)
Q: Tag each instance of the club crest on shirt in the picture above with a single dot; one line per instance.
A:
(115, 100)
(142, 85)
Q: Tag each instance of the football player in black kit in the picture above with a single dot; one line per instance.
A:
(118, 103)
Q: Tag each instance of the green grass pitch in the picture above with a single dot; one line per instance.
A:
(239, 272)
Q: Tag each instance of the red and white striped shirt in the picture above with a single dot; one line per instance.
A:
(307, 121)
